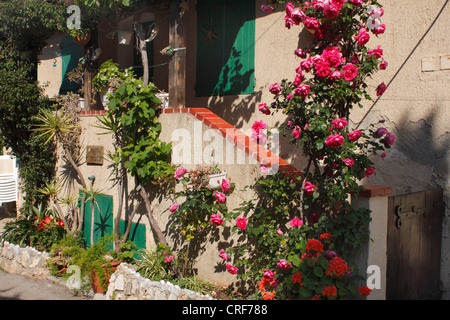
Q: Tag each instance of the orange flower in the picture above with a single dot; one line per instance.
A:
(325, 235)
(60, 223)
(47, 220)
(268, 295)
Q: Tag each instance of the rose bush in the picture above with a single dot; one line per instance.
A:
(300, 229)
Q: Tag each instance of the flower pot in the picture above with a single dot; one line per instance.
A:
(83, 40)
(96, 283)
(215, 180)
(104, 96)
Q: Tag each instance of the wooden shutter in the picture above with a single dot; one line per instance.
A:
(225, 47)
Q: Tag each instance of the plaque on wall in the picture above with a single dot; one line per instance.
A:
(94, 155)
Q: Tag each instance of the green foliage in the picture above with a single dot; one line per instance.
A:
(151, 264)
(133, 118)
(37, 227)
(21, 100)
(109, 76)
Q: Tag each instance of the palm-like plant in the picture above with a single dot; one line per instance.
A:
(52, 189)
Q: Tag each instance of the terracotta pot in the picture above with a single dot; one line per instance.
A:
(95, 283)
(83, 40)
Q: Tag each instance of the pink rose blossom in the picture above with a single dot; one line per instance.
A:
(279, 232)
(223, 255)
(350, 71)
(300, 53)
(369, 172)
(283, 264)
(296, 132)
(225, 185)
(331, 11)
(310, 188)
(258, 125)
(296, 222)
(268, 275)
(220, 197)
(339, 123)
(354, 135)
(298, 16)
(357, 3)
(263, 108)
(383, 155)
(383, 65)
(299, 77)
(216, 219)
(306, 65)
(389, 139)
(302, 90)
(363, 37)
(312, 23)
(180, 172)
(275, 88)
(231, 269)
(335, 75)
(322, 67)
(338, 3)
(266, 8)
(263, 169)
(381, 132)
(241, 223)
(349, 162)
(173, 207)
(381, 88)
(380, 29)
(378, 52)
(376, 13)
(333, 55)
(334, 141)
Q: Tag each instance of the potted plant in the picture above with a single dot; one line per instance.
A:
(101, 272)
(108, 79)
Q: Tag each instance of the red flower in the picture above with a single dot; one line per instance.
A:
(329, 291)
(325, 235)
(60, 223)
(338, 267)
(297, 278)
(364, 291)
(314, 245)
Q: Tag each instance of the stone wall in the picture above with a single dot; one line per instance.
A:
(127, 284)
(24, 261)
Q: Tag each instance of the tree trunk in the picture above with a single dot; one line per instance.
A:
(151, 218)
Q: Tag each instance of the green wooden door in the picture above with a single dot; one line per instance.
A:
(103, 218)
(137, 234)
(225, 47)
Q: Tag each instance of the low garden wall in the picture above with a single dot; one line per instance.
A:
(24, 261)
(125, 283)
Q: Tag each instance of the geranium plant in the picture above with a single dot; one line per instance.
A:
(302, 226)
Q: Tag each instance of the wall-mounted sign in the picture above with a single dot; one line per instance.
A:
(94, 155)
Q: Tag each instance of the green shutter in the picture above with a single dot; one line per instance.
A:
(225, 47)
(71, 52)
(137, 234)
(103, 218)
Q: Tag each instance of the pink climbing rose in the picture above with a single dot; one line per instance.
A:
(220, 197)
(339, 123)
(223, 255)
(231, 269)
(296, 222)
(334, 141)
(216, 219)
(241, 223)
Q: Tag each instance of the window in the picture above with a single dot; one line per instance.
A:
(225, 47)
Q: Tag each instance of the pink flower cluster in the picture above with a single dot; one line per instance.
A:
(258, 133)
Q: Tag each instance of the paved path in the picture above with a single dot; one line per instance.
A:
(17, 287)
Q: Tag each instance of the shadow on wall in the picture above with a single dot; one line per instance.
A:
(418, 160)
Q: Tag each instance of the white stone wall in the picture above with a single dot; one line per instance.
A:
(127, 284)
